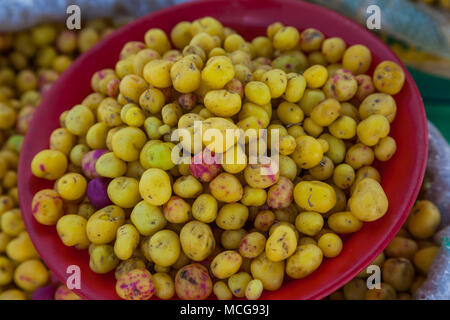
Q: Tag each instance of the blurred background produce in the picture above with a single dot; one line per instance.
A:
(33, 55)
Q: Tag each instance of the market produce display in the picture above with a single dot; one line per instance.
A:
(209, 227)
(30, 61)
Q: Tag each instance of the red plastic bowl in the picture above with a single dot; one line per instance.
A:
(402, 175)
